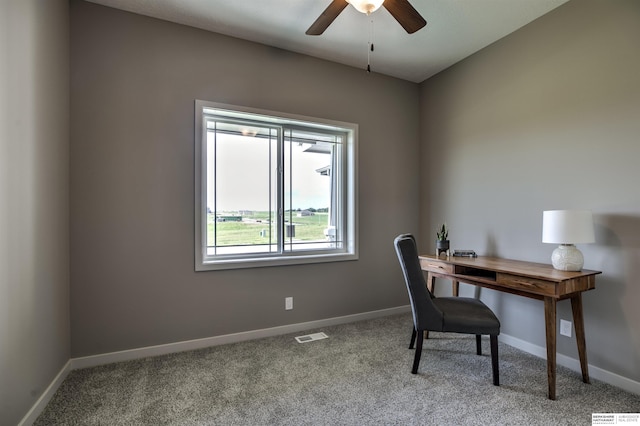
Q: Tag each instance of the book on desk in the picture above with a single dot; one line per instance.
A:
(464, 253)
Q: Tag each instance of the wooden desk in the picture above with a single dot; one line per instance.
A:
(534, 280)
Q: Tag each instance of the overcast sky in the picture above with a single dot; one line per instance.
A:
(244, 176)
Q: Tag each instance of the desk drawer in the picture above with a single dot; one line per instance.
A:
(436, 266)
(530, 285)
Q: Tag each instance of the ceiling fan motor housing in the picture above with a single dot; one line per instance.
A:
(401, 10)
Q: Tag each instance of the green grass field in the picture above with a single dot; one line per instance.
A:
(307, 228)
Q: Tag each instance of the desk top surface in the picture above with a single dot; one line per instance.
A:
(509, 266)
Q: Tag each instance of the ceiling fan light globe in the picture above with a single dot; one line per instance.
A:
(366, 6)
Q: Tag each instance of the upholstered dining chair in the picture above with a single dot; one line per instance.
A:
(445, 314)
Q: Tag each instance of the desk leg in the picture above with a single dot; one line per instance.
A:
(550, 325)
(430, 281)
(578, 321)
(455, 287)
(430, 284)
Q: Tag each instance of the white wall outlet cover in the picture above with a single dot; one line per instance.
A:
(565, 328)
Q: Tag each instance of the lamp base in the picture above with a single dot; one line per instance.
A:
(567, 258)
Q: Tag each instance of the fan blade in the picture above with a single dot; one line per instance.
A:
(327, 17)
(405, 14)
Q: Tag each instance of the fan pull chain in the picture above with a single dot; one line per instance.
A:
(370, 48)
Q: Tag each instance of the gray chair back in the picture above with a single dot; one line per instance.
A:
(426, 315)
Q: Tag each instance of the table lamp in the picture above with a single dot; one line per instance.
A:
(567, 227)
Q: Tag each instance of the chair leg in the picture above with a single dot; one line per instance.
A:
(478, 344)
(416, 358)
(494, 359)
(413, 338)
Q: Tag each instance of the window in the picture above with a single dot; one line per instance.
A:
(272, 188)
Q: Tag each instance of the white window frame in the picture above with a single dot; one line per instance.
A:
(349, 250)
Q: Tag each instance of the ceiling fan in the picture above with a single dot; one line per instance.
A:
(401, 10)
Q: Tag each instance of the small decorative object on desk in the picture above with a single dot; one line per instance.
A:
(442, 241)
(464, 253)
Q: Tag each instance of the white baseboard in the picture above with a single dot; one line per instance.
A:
(574, 364)
(46, 396)
(127, 355)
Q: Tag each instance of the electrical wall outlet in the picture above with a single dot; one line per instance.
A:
(565, 328)
(288, 303)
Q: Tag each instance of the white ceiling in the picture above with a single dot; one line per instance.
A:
(455, 28)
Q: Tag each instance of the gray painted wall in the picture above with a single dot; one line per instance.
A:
(34, 233)
(133, 85)
(546, 118)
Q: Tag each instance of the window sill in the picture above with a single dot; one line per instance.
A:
(216, 265)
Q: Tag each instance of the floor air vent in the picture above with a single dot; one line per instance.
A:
(311, 337)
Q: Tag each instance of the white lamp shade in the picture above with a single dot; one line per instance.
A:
(366, 6)
(567, 227)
